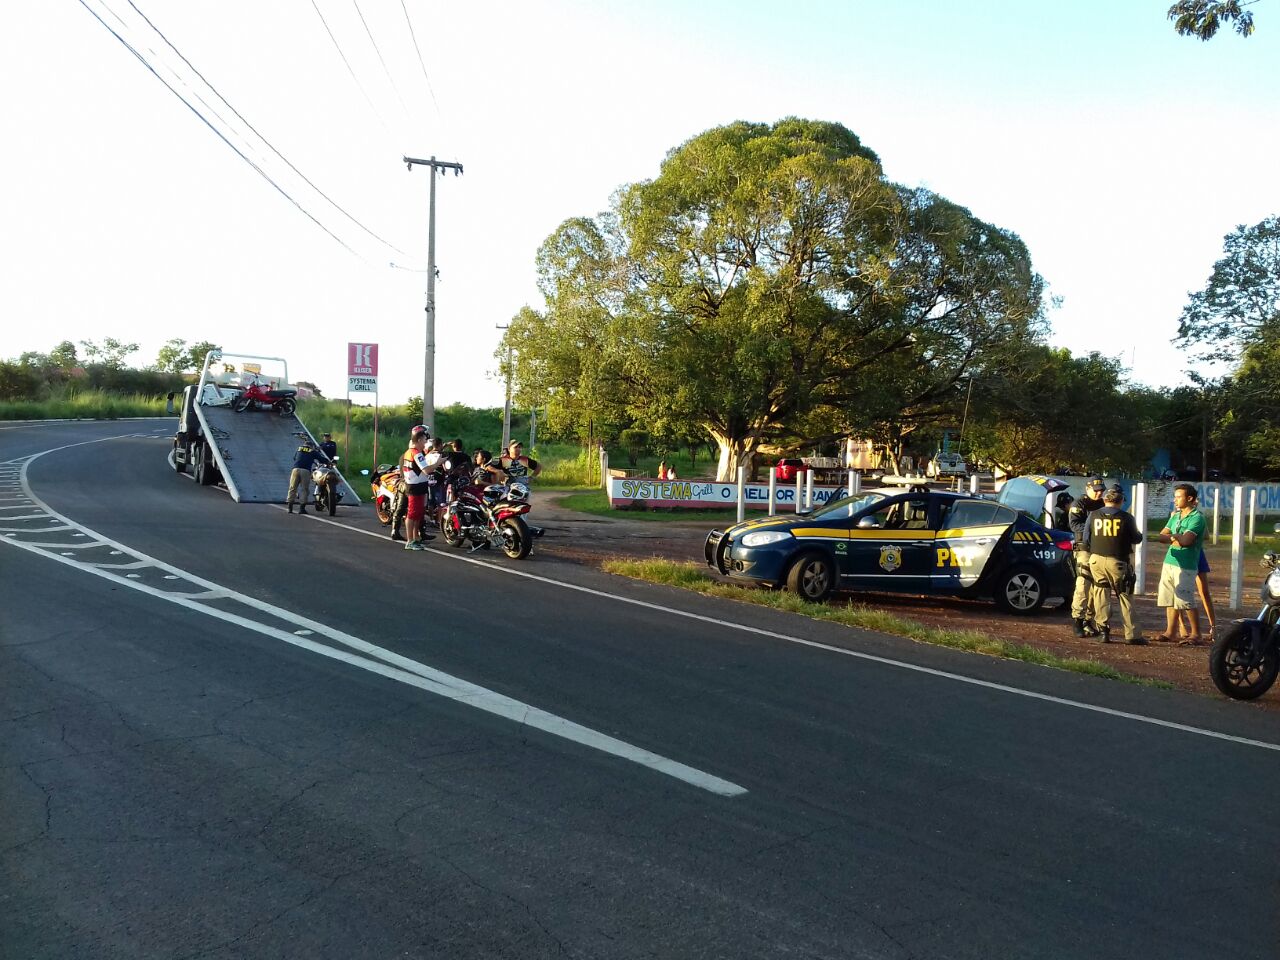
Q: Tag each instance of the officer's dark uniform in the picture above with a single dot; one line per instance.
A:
(1077, 518)
(1111, 535)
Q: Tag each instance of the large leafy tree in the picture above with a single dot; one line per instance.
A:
(1239, 306)
(1203, 18)
(770, 279)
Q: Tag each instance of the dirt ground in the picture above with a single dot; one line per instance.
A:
(588, 539)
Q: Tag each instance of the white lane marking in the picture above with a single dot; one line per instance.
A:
(856, 654)
(392, 665)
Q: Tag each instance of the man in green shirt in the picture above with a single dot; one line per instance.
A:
(1184, 533)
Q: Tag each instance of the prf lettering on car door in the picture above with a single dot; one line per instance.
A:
(960, 557)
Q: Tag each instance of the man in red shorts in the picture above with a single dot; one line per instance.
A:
(414, 470)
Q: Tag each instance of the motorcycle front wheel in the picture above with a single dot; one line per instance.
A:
(1231, 669)
(449, 529)
(516, 539)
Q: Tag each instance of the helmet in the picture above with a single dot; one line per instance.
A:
(493, 491)
(517, 491)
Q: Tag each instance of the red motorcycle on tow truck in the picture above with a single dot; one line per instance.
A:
(259, 394)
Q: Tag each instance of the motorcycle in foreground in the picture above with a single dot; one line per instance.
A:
(384, 483)
(257, 394)
(1244, 661)
(488, 516)
(328, 483)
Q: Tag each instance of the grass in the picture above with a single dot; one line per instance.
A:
(597, 502)
(689, 576)
(85, 405)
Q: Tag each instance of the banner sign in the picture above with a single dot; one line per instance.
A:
(362, 368)
(705, 494)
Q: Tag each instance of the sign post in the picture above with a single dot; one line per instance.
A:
(362, 377)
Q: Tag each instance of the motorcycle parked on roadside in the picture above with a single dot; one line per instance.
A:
(1245, 659)
(489, 516)
(384, 483)
(328, 483)
(257, 394)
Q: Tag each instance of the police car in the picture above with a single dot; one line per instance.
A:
(918, 541)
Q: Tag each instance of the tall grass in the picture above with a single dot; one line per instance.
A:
(85, 405)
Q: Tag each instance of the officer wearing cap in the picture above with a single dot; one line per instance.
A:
(1077, 519)
(1110, 536)
(327, 446)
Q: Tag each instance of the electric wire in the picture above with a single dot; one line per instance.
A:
(337, 206)
(418, 50)
(337, 46)
(378, 51)
(203, 119)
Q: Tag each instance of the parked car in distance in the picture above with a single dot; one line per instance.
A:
(789, 467)
(946, 465)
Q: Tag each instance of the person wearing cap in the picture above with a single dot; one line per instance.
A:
(1078, 520)
(1110, 536)
(411, 503)
(304, 458)
(327, 446)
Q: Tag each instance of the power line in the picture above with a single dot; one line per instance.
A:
(423, 65)
(337, 46)
(262, 173)
(394, 88)
(269, 144)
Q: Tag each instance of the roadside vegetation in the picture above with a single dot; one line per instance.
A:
(689, 576)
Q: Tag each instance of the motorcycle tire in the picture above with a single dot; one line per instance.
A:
(1229, 669)
(516, 539)
(449, 530)
(382, 508)
(332, 497)
(286, 407)
(241, 404)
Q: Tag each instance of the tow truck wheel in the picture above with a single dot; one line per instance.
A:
(180, 466)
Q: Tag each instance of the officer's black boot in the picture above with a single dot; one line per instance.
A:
(1077, 626)
(1106, 634)
(291, 506)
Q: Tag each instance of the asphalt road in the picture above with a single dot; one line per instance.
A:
(232, 732)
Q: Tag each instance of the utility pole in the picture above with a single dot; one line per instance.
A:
(506, 408)
(429, 360)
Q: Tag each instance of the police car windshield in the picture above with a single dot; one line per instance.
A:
(846, 507)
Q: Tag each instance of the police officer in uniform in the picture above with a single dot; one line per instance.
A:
(1110, 537)
(1077, 519)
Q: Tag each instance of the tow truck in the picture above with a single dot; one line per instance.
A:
(250, 453)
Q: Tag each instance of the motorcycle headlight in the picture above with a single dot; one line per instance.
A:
(762, 537)
(1273, 583)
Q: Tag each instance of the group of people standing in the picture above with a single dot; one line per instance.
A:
(1105, 536)
(426, 464)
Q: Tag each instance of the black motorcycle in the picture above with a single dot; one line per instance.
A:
(489, 516)
(1244, 661)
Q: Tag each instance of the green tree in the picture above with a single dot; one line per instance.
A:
(1239, 306)
(172, 357)
(110, 353)
(1203, 18)
(766, 273)
(64, 355)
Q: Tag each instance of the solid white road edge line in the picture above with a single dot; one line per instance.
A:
(829, 648)
(395, 667)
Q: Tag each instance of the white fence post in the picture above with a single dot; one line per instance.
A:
(1253, 510)
(849, 484)
(1140, 551)
(773, 490)
(808, 491)
(1217, 512)
(799, 492)
(973, 484)
(604, 468)
(855, 482)
(742, 494)
(1237, 547)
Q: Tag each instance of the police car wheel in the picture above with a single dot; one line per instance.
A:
(1020, 590)
(812, 577)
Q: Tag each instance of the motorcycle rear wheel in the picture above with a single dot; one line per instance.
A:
(241, 403)
(1230, 670)
(516, 539)
(286, 407)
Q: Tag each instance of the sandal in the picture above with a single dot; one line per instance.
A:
(1163, 638)
(1195, 640)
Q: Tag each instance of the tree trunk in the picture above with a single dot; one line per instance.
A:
(734, 452)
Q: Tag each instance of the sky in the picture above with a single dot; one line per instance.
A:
(1120, 152)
